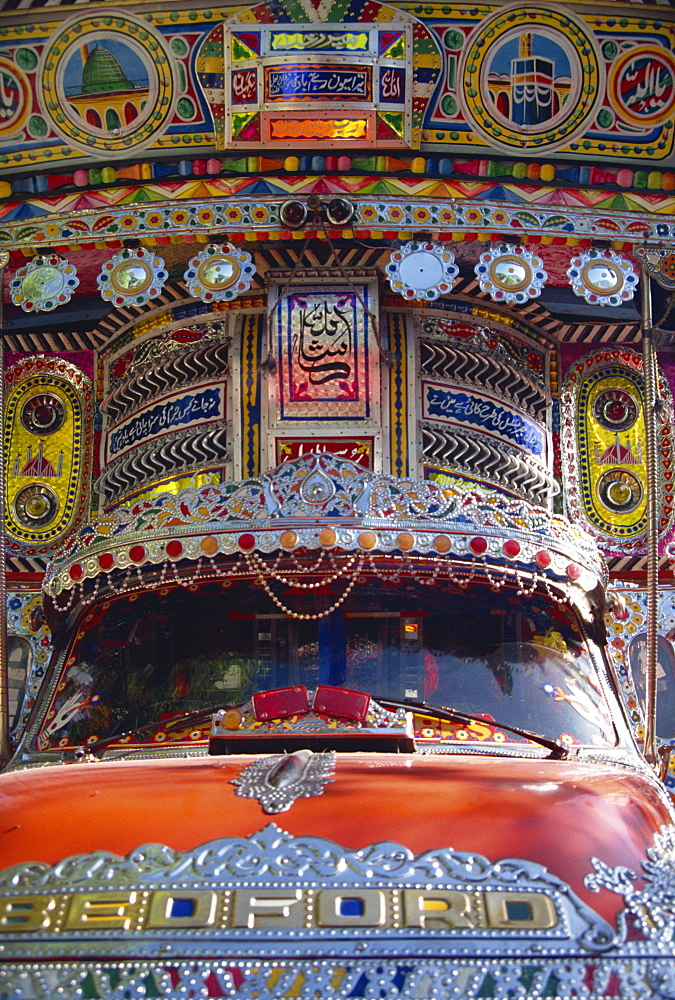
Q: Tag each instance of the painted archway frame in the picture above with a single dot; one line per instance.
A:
(335, 77)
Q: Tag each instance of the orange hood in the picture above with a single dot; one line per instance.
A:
(557, 814)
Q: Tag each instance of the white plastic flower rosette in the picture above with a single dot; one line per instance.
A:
(602, 277)
(422, 270)
(509, 273)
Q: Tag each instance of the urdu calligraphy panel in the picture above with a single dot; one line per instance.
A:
(326, 353)
(327, 382)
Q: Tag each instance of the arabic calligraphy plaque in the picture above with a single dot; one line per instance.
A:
(359, 450)
(327, 365)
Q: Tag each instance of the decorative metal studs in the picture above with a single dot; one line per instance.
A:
(602, 277)
(422, 270)
(132, 277)
(510, 273)
(659, 262)
(219, 273)
(47, 281)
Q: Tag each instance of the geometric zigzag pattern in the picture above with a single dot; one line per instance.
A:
(463, 451)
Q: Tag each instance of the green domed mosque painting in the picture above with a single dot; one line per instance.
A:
(107, 83)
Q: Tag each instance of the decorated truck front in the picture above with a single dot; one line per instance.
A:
(328, 733)
(337, 489)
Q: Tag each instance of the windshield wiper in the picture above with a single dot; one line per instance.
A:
(558, 751)
(196, 715)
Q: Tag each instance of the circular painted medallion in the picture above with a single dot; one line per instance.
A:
(107, 82)
(16, 98)
(43, 414)
(219, 273)
(43, 284)
(641, 85)
(531, 78)
(615, 409)
(422, 270)
(620, 491)
(132, 276)
(36, 505)
(602, 277)
(510, 273)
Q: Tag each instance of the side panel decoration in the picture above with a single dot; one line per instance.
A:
(603, 444)
(483, 410)
(48, 451)
(30, 647)
(250, 392)
(399, 433)
(165, 415)
(627, 648)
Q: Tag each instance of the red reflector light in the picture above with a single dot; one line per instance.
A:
(280, 703)
(341, 703)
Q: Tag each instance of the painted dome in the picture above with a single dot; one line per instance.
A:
(103, 73)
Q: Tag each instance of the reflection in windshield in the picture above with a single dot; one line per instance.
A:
(136, 661)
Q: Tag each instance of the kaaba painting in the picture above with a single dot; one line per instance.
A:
(529, 80)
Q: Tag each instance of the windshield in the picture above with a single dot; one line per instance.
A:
(521, 662)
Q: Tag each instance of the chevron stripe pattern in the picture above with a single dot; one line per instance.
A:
(455, 363)
(468, 453)
(182, 370)
(180, 452)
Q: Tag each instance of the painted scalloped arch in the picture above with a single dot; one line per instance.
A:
(382, 62)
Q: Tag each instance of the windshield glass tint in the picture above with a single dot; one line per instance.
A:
(518, 661)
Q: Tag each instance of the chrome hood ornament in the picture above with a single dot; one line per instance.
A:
(276, 782)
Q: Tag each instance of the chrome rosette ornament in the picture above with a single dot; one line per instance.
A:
(132, 277)
(422, 271)
(47, 281)
(509, 273)
(602, 277)
(219, 273)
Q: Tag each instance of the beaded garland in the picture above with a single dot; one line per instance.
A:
(432, 527)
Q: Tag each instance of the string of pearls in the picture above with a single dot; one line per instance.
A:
(321, 614)
(497, 583)
(522, 590)
(261, 568)
(424, 571)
